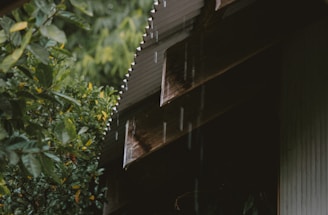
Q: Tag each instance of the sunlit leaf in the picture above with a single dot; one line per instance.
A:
(32, 164)
(18, 26)
(10, 60)
(77, 196)
(74, 19)
(83, 6)
(39, 52)
(3, 188)
(53, 32)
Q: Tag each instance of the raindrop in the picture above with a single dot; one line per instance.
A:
(217, 5)
(181, 118)
(117, 120)
(184, 22)
(151, 35)
(116, 135)
(202, 98)
(189, 135)
(155, 57)
(164, 132)
(201, 152)
(185, 62)
(156, 36)
(196, 196)
(193, 70)
(125, 84)
(151, 23)
(164, 3)
(134, 127)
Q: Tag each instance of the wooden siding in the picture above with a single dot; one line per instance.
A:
(7, 5)
(304, 143)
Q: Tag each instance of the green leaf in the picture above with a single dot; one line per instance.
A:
(45, 6)
(65, 131)
(83, 130)
(25, 71)
(52, 156)
(58, 51)
(68, 98)
(74, 19)
(83, 6)
(6, 23)
(27, 38)
(48, 167)
(53, 32)
(39, 52)
(32, 164)
(3, 37)
(13, 157)
(44, 75)
(16, 38)
(3, 133)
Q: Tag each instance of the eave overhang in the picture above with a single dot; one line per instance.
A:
(227, 35)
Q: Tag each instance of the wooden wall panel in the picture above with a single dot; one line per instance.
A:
(304, 123)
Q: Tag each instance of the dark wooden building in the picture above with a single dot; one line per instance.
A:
(224, 111)
(7, 5)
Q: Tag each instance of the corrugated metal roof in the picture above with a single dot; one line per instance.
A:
(170, 22)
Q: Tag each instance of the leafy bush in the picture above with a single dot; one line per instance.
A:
(51, 126)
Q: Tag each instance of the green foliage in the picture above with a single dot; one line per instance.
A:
(107, 50)
(51, 126)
